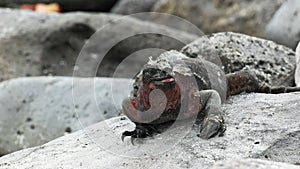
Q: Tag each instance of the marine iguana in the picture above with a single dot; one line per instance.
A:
(178, 87)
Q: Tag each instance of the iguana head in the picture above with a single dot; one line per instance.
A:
(155, 75)
(154, 79)
(168, 74)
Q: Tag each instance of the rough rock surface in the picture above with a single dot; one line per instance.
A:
(249, 17)
(49, 44)
(255, 122)
(284, 27)
(274, 64)
(127, 7)
(66, 5)
(252, 164)
(36, 110)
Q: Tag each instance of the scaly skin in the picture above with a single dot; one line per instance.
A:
(176, 87)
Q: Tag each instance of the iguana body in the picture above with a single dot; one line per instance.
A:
(178, 87)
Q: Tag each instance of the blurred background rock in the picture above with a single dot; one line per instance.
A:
(66, 5)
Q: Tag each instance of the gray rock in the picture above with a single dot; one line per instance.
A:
(66, 5)
(255, 122)
(49, 44)
(284, 27)
(252, 164)
(272, 63)
(249, 17)
(36, 110)
(127, 7)
(6, 70)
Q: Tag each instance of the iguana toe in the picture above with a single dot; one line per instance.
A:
(211, 127)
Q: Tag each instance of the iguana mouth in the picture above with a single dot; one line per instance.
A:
(167, 82)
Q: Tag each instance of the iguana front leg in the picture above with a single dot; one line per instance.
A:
(246, 81)
(213, 122)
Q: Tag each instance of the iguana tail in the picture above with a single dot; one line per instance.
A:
(246, 81)
(277, 89)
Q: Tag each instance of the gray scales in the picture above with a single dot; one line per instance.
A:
(191, 84)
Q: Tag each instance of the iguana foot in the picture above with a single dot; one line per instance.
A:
(140, 131)
(212, 126)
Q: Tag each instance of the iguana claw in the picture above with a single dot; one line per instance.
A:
(141, 131)
(211, 127)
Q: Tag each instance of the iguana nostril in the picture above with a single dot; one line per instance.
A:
(146, 77)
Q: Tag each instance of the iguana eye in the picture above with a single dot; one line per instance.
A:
(148, 74)
(152, 74)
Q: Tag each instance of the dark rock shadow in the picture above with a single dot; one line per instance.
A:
(284, 150)
(62, 48)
